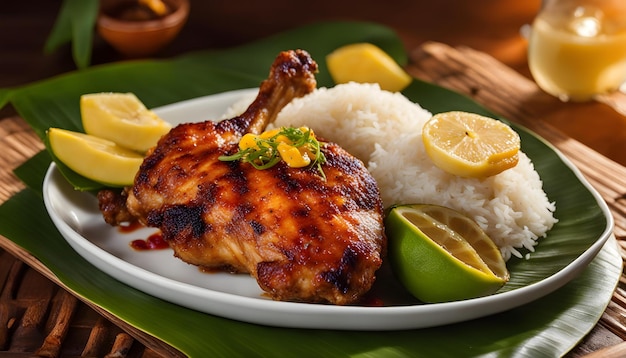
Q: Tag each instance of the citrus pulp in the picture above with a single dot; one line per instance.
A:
(470, 145)
(441, 255)
(123, 119)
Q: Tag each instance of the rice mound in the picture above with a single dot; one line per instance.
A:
(384, 130)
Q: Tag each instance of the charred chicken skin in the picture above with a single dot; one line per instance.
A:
(303, 237)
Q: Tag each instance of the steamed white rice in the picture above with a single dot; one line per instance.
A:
(384, 129)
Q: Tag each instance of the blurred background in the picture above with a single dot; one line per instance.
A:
(492, 26)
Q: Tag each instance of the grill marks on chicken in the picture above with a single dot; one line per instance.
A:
(303, 237)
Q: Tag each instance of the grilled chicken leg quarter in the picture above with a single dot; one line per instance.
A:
(302, 236)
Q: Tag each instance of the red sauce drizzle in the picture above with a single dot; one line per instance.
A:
(129, 227)
(153, 242)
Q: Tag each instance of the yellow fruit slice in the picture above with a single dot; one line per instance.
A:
(441, 255)
(123, 119)
(95, 158)
(157, 6)
(470, 145)
(366, 63)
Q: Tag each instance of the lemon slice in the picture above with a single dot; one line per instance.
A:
(123, 119)
(441, 255)
(470, 145)
(95, 158)
(366, 63)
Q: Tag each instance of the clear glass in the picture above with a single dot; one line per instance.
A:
(577, 48)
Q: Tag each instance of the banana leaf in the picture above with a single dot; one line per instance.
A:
(547, 327)
(75, 23)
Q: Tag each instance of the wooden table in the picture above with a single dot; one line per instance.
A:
(486, 62)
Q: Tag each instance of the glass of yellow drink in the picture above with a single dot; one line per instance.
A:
(577, 48)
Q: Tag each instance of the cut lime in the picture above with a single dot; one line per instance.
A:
(441, 255)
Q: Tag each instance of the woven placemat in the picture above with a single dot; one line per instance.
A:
(37, 316)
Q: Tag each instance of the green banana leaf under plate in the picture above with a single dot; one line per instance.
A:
(552, 300)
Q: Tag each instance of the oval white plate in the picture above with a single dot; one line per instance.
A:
(158, 273)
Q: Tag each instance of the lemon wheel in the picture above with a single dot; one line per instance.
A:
(470, 145)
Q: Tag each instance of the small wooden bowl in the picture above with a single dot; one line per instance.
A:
(137, 37)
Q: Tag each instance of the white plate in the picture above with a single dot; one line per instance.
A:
(158, 273)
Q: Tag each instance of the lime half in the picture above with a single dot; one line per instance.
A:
(441, 255)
